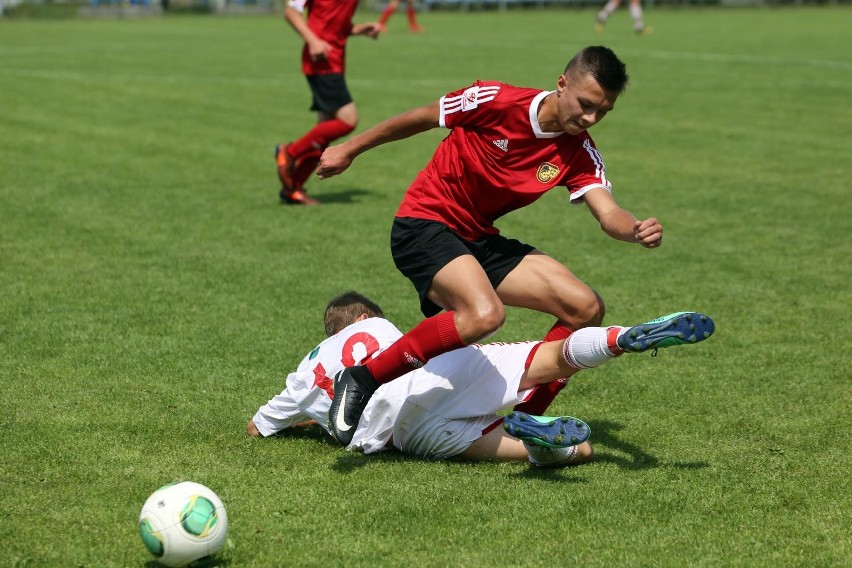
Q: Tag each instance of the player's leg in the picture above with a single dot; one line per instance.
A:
(473, 313)
(636, 14)
(446, 276)
(327, 125)
(498, 445)
(610, 7)
(387, 13)
(543, 284)
(337, 116)
(412, 17)
(591, 347)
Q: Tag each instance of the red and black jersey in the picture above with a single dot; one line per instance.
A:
(497, 159)
(331, 21)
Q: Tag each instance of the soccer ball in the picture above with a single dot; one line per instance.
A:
(183, 522)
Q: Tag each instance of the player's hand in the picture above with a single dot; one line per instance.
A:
(318, 50)
(333, 161)
(371, 29)
(648, 233)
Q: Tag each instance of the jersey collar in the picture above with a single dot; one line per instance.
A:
(536, 127)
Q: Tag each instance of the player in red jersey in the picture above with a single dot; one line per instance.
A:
(326, 30)
(507, 146)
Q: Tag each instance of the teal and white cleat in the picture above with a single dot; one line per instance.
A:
(679, 328)
(549, 432)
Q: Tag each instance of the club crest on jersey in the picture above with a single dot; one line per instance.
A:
(547, 172)
(468, 100)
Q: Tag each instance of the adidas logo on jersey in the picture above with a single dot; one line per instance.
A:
(502, 144)
(411, 360)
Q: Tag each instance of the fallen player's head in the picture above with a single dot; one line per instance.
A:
(346, 309)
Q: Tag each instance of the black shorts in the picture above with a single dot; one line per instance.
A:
(330, 92)
(421, 248)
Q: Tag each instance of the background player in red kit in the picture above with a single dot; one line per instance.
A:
(507, 146)
(328, 27)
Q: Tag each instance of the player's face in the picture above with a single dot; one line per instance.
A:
(581, 102)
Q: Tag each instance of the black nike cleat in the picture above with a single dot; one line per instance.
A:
(353, 388)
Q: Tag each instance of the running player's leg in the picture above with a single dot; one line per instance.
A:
(610, 7)
(337, 116)
(636, 14)
(447, 276)
(387, 13)
(543, 284)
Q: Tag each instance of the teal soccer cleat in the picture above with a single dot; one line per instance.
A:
(549, 432)
(679, 328)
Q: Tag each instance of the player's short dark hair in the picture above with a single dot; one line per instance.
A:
(346, 308)
(603, 65)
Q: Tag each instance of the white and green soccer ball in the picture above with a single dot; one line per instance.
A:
(183, 522)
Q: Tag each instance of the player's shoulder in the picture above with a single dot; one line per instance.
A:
(487, 94)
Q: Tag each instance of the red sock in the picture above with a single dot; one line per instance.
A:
(557, 332)
(429, 338)
(412, 21)
(541, 398)
(305, 166)
(543, 395)
(386, 15)
(320, 136)
(612, 340)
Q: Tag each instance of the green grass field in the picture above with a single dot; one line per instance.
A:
(153, 293)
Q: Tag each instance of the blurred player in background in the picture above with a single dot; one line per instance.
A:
(635, 13)
(409, 10)
(325, 31)
(448, 408)
(507, 147)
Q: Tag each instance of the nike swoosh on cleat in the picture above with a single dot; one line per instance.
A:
(340, 421)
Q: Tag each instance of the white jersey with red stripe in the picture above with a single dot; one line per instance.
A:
(435, 412)
(308, 390)
(497, 159)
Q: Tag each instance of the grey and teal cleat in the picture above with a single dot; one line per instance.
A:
(679, 328)
(547, 431)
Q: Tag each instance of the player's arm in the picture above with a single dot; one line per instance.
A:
(337, 158)
(619, 223)
(317, 47)
(369, 29)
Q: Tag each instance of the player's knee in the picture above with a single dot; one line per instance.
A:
(590, 310)
(480, 323)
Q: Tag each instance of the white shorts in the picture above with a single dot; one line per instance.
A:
(437, 411)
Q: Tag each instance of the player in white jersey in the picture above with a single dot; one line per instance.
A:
(449, 408)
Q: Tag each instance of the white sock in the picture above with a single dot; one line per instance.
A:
(587, 347)
(636, 14)
(607, 10)
(540, 456)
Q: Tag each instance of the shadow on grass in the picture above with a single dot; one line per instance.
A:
(348, 196)
(604, 438)
(609, 448)
(351, 462)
